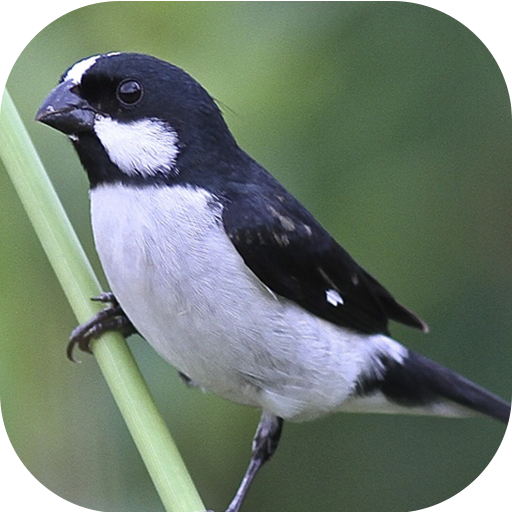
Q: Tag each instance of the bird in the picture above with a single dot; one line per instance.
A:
(224, 272)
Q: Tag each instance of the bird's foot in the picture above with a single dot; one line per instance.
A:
(112, 318)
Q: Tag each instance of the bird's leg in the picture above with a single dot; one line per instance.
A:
(112, 318)
(264, 445)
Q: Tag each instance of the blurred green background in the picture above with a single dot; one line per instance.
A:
(391, 122)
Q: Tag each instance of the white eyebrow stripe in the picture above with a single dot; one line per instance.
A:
(145, 147)
(334, 298)
(76, 72)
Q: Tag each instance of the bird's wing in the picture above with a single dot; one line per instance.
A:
(294, 256)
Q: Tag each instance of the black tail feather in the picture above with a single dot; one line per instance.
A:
(420, 382)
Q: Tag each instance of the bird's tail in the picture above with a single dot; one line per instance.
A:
(418, 385)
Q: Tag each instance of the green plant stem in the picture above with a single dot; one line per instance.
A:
(77, 278)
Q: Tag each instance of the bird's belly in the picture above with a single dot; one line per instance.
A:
(188, 292)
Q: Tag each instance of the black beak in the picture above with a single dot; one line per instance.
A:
(66, 111)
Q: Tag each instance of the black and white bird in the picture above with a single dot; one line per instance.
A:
(223, 271)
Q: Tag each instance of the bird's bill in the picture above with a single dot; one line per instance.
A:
(64, 110)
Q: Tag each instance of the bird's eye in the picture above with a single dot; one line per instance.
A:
(129, 92)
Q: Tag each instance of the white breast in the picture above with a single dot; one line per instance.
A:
(188, 292)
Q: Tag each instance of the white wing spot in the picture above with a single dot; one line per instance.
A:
(334, 298)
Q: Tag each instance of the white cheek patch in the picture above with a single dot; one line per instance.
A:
(334, 298)
(145, 148)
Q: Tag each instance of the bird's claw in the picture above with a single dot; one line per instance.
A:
(112, 318)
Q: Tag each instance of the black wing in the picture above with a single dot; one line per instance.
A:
(292, 254)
